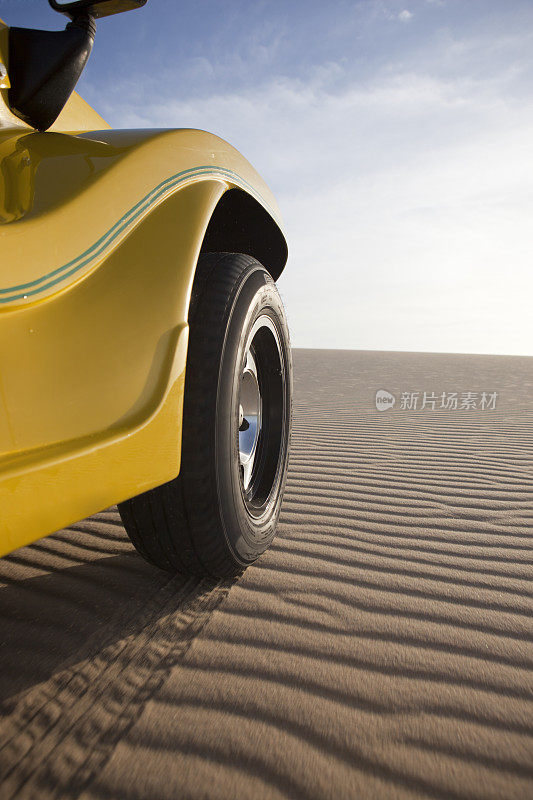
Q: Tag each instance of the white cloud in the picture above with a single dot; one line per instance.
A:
(405, 15)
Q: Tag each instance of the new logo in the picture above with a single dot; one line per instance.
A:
(384, 400)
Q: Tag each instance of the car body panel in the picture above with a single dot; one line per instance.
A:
(100, 238)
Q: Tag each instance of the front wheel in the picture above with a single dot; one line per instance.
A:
(221, 512)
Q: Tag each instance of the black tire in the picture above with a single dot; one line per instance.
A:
(220, 514)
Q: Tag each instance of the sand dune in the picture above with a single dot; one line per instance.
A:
(382, 647)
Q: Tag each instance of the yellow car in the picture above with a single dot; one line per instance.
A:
(144, 349)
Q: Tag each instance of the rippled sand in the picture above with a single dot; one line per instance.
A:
(381, 649)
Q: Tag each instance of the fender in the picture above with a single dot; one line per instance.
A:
(101, 236)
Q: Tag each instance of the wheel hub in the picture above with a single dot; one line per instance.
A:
(250, 412)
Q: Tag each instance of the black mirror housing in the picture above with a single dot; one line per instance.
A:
(96, 8)
(44, 66)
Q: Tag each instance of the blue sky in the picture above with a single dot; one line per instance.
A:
(397, 137)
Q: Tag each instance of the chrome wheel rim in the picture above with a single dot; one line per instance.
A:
(250, 404)
(261, 415)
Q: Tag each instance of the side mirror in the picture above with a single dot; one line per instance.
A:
(44, 66)
(96, 8)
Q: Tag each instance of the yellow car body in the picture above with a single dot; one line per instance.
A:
(100, 232)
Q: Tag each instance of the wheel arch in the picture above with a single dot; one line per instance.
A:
(240, 224)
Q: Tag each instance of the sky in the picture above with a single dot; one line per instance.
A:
(396, 136)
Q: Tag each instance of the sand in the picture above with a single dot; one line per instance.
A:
(381, 649)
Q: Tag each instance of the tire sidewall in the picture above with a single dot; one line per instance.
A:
(248, 536)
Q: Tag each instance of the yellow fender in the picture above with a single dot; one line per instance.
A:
(101, 236)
